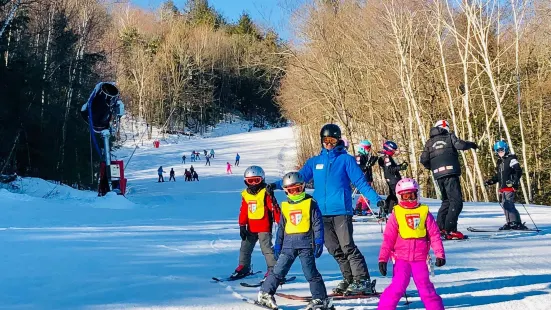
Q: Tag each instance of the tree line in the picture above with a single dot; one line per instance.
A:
(391, 69)
(176, 69)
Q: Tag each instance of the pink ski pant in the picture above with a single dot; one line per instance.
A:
(403, 270)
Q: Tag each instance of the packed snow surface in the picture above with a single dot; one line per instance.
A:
(159, 248)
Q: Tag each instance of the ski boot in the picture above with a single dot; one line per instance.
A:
(361, 287)
(267, 300)
(507, 226)
(342, 286)
(241, 272)
(518, 226)
(321, 304)
(455, 235)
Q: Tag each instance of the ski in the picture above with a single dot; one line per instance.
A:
(368, 219)
(215, 279)
(287, 280)
(472, 229)
(334, 296)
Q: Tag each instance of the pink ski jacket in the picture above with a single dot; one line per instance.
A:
(416, 249)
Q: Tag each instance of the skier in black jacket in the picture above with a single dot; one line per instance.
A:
(441, 157)
(391, 173)
(366, 160)
(508, 174)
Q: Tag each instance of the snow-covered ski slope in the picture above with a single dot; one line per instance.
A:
(63, 249)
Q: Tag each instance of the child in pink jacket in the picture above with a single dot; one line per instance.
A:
(410, 232)
(228, 168)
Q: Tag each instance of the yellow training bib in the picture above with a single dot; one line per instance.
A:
(411, 222)
(297, 216)
(255, 204)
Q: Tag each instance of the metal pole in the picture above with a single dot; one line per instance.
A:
(106, 134)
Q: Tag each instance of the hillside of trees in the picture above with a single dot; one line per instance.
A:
(389, 69)
(175, 69)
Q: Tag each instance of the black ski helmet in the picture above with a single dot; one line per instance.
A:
(330, 130)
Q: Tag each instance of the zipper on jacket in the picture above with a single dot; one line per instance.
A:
(326, 177)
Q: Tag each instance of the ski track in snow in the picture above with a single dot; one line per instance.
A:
(158, 249)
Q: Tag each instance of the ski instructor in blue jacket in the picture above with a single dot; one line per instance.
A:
(333, 170)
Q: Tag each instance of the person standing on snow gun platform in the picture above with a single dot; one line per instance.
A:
(257, 213)
(299, 234)
(391, 171)
(409, 233)
(508, 174)
(333, 172)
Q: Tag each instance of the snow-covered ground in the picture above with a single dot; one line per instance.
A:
(64, 249)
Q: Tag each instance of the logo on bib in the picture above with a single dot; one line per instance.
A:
(252, 206)
(296, 217)
(319, 166)
(413, 220)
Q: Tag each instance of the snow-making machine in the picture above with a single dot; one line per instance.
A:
(103, 112)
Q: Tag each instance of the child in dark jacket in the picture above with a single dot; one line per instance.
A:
(257, 213)
(508, 174)
(391, 172)
(299, 234)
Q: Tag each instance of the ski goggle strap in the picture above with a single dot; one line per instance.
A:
(253, 180)
(409, 196)
(329, 140)
(294, 189)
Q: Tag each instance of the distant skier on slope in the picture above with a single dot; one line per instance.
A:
(256, 216)
(410, 232)
(508, 174)
(160, 173)
(172, 175)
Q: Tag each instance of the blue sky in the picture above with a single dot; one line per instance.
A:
(270, 13)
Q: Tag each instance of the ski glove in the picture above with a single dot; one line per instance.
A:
(270, 188)
(382, 268)
(404, 166)
(440, 262)
(474, 146)
(381, 204)
(277, 251)
(489, 182)
(318, 248)
(243, 232)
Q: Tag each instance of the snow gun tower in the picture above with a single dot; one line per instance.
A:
(103, 112)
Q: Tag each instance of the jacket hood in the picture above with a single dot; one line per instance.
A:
(436, 131)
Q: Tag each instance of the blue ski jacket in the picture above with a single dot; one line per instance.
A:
(333, 171)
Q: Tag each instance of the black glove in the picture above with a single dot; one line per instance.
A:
(270, 188)
(381, 204)
(439, 262)
(474, 146)
(489, 182)
(404, 166)
(382, 268)
(243, 232)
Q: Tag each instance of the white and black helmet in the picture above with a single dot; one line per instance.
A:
(292, 178)
(443, 124)
(254, 171)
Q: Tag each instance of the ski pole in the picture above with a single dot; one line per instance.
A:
(530, 216)
(407, 301)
